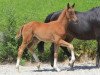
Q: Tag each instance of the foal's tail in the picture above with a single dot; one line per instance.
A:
(19, 33)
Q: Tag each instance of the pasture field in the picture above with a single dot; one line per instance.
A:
(15, 13)
(28, 10)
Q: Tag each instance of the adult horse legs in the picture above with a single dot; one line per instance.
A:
(40, 46)
(52, 55)
(20, 52)
(98, 55)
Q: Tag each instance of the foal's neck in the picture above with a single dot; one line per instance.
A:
(62, 19)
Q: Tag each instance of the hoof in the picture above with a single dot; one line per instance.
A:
(57, 69)
(17, 67)
(71, 65)
(38, 67)
(51, 65)
(97, 66)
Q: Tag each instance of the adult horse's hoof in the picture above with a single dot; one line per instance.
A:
(51, 64)
(97, 66)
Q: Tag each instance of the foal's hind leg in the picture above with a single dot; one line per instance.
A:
(71, 48)
(34, 41)
(35, 57)
(20, 52)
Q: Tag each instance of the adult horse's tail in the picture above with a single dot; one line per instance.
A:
(19, 33)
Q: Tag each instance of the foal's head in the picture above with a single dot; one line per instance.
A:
(70, 13)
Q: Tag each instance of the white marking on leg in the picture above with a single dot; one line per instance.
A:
(72, 54)
(35, 57)
(37, 60)
(71, 48)
(17, 63)
(55, 65)
(55, 61)
(72, 57)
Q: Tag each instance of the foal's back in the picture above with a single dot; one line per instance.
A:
(44, 31)
(52, 26)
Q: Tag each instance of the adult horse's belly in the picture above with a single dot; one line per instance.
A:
(82, 33)
(85, 36)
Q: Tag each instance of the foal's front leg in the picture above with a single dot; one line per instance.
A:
(71, 48)
(55, 57)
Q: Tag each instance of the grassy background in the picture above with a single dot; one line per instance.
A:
(28, 10)
(15, 13)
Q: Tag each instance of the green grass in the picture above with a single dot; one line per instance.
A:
(28, 10)
(15, 13)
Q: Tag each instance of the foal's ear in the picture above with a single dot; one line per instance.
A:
(73, 5)
(68, 6)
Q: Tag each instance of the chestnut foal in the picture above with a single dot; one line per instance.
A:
(34, 32)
